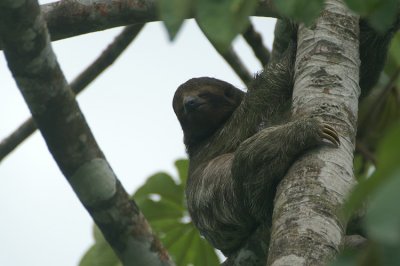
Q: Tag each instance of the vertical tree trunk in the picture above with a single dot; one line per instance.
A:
(307, 228)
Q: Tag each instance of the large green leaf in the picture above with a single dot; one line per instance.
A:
(189, 249)
(173, 13)
(222, 20)
(380, 13)
(305, 11)
(164, 186)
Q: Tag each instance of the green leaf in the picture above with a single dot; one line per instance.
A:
(222, 20)
(154, 210)
(183, 168)
(164, 226)
(363, 7)
(389, 153)
(100, 254)
(345, 259)
(163, 185)
(190, 249)
(173, 13)
(380, 14)
(388, 163)
(97, 235)
(305, 11)
(382, 221)
(392, 65)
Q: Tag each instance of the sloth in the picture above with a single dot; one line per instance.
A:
(240, 146)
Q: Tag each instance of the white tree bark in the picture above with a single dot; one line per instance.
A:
(307, 227)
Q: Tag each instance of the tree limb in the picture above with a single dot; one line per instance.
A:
(236, 64)
(254, 39)
(69, 18)
(307, 228)
(35, 69)
(107, 57)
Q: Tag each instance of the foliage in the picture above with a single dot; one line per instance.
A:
(382, 220)
(378, 170)
(161, 200)
(380, 130)
(300, 10)
(222, 20)
(379, 111)
(380, 13)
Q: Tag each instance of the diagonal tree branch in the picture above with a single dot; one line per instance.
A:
(236, 64)
(307, 228)
(254, 39)
(35, 69)
(69, 18)
(107, 57)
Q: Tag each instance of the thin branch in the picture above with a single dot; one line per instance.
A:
(236, 64)
(283, 35)
(53, 105)
(107, 57)
(365, 152)
(379, 101)
(254, 39)
(355, 242)
(8, 144)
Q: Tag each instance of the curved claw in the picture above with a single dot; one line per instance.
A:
(330, 134)
(330, 139)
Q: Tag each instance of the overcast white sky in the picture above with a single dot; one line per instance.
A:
(129, 111)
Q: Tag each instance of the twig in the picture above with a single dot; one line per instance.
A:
(355, 242)
(107, 57)
(365, 152)
(380, 99)
(254, 39)
(236, 64)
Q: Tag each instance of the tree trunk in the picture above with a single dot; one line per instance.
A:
(307, 227)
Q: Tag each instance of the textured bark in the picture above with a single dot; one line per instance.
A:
(52, 103)
(68, 18)
(307, 228)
